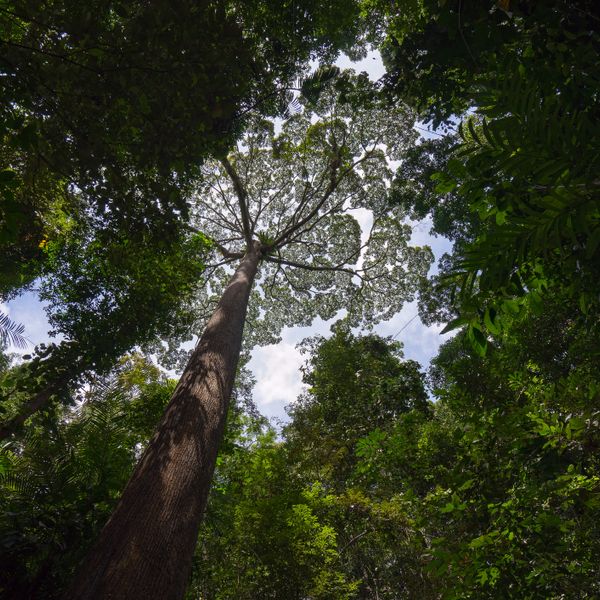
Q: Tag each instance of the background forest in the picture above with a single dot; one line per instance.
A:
(142, 161)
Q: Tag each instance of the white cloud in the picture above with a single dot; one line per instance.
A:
(278, 378)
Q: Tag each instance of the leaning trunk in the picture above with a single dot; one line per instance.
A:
(146, 548)
(37, 402)
(58, 371)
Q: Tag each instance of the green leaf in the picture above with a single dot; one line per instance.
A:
(491, 320)
(467, 485)
(455, 324)
(477, 338)
(449, 507)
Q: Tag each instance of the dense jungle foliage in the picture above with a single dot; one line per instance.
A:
(474, 477)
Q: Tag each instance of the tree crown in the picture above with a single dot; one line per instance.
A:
(299, 197)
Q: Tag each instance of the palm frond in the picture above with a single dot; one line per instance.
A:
(312, 86)
(11, 332)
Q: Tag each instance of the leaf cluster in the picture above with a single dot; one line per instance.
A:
(515, 193)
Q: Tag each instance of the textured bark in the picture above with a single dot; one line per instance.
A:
(145, 550)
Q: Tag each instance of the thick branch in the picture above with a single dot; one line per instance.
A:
(227, 254)
(334, 181)
(242, 199)
(224, 196)
(300, 233)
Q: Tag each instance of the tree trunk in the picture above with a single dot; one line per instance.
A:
(66, 358)
(145, 550)
(39, 401)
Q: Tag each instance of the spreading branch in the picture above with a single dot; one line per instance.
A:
(242, 197)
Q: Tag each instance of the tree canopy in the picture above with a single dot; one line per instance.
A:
(108, 112)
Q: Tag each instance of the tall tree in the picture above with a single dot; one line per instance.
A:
(359, 388)
(281, 207)
(355, 384)
(107, 110)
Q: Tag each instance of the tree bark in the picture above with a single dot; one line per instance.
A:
(146, 548)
